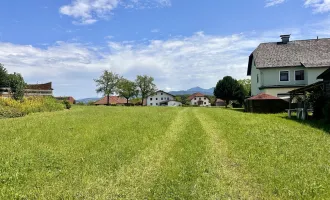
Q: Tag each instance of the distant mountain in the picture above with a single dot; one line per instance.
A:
(86, 100)
(194, 90)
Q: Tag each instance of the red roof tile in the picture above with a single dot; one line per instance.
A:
(263, 96)
(195, 95)
(112, 100)
(220, 101)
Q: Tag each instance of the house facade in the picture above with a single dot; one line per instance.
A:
(199, 99)
(31, 90)
(44, 89)
(279, 67)
(160, 97)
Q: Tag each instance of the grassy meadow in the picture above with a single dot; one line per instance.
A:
(162, 153)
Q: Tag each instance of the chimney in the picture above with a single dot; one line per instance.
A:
(285, 39)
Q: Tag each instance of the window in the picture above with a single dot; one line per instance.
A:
(200, 98)
(156, 104)
(150, 99)
(204, 98)
(284, 76)
(195, 103)
(156, 99)
(204, 102)
(151, 104)
(168, 98)
(162, 98)
(161, 93)
(195, 98)
(299, 75)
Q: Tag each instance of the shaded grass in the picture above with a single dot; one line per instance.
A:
(162, 153)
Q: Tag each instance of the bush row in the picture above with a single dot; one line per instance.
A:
(10, 108)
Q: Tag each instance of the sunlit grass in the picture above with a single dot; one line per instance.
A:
(162, 153)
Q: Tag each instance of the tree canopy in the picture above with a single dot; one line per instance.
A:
(107, 84)
(17, 85)
(127, 89)
(246, 83)
(229, 89)
(146, 86)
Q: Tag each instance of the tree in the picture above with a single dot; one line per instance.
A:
(246, 83)
(17, 85)
(3, 76)
(146, 86)
(107, 84)
(229, 89)
(127, 89)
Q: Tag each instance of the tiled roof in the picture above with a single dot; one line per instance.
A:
(112, 100)
(307, 53)
(195, 95)
(44, 86)
(263, 96)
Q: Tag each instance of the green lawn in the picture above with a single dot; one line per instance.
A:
(162, 153)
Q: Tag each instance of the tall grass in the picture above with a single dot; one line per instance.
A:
(12, 108)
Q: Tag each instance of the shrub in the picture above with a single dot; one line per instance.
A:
(31, 105)
(67, 104)
(8, 112)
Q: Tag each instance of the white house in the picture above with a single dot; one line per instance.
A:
(171, 103)
(199, 99)
(159, 98)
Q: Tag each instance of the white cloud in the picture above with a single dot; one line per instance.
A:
(319, 6)
(270, 3)
(90, 11)
(177, 63)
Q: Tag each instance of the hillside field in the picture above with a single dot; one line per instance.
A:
(162, 153)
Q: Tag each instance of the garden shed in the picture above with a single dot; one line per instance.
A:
(265, 103)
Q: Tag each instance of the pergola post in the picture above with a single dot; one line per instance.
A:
(290, 100)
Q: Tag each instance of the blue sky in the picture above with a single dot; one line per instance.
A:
(181, 43)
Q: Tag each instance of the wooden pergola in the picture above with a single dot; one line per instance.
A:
(303, 92)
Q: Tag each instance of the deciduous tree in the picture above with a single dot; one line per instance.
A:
(127, 89)
(146, 86)
(107, 84)
(229, 89)
(17, 85)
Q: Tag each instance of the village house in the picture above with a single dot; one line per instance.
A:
(199, 99)
(113, 100)
(44, 89)
(279, 67)
(161, 98)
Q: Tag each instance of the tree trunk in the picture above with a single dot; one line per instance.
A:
(227, 102)
(108, 100)
(142, 101)
(127, 102)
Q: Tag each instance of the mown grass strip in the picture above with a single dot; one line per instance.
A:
(228, 178)
(184, 175)
(133, 181)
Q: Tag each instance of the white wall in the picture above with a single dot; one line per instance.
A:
(157, 98)
(206, 101)
(174, 103)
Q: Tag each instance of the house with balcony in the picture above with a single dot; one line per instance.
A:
(279, 67)
(30, 90)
